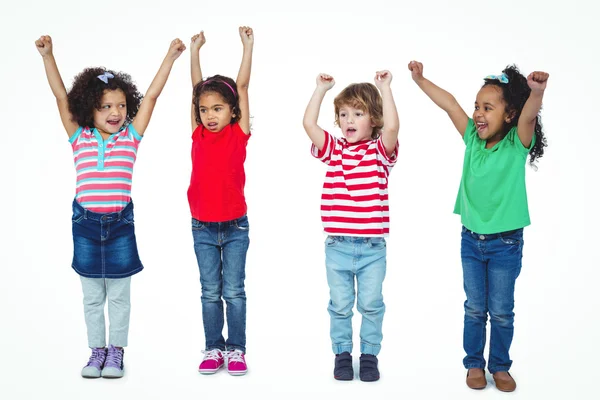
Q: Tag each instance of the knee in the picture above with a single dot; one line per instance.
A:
(231, 294)
(211, 292)
(505, 318)
(475, 310)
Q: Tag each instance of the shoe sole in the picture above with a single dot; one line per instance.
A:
(209, 371)
(236, 373)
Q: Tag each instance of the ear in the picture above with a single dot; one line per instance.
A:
(510, 116)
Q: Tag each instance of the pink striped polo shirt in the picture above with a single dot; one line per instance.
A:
(104, 168)
(355, 193)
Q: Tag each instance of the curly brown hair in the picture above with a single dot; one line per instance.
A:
(515, 94)
(218, 84)
(87, 91)
(365, 97)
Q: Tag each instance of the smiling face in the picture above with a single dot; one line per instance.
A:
(110, 117)
(215, 113)
(355, 123)
(490, 114)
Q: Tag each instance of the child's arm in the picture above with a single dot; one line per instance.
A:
(311, 115)
(526, 126)
(443, 99)
(243, 78)
(197, 41)
(141, 120)
(391, 123)
(44, 46)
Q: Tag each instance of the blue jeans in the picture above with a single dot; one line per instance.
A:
(221, 253)
(491, 265)
(347, 257)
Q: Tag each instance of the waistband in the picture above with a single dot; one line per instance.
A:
(221, 223)
(491, 236)
(103, 217)
(355, 239)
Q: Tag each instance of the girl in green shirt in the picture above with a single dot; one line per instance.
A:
(492, 202)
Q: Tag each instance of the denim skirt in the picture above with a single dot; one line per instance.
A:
(104, 245)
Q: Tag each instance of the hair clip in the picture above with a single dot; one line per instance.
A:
(105, 76)
(502, 78)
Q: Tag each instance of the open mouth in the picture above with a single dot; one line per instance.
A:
(350, 131)
(481, 126)
(212, 125)
(114, 122)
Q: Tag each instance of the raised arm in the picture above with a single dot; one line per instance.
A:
(197, 41)
(391, 123)
(243, 78)
(443, 99)
(141, 120)
(44, 46)
(311, 115)
(526, 126)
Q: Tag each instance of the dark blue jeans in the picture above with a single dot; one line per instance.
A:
(221, 253)
(491, 265)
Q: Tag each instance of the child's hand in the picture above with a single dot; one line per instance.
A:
(325, 81)
(383, 78)
(247, 35)
(537, 80)
(177, 47)
(197, 41)
(44, 45)
(416, 69)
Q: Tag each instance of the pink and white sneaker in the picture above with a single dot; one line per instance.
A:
(236, 363)
(213, 361)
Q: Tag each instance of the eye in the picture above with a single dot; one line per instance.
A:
(359, 114)
(123, 105)
(106, 106)
(218, 109)
(202, 110)
(342, 115)
(476, 108)
(487, 108)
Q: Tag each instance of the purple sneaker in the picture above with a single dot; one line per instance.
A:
(113, 367)
(95, 363)
(236, 363)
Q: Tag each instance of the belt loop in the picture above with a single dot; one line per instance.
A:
(85, 213)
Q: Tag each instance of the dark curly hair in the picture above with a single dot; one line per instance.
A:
(365, 97)
(218, 84)
(515, 93)
(87, 91)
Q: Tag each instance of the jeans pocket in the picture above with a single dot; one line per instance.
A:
(377, 243)
(197, 225)
(77, 216)
(128, 219)
(330, 241)
(513, 238)
(242, 223)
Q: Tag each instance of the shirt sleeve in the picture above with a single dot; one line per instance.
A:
(387, 161)
(325, 154)
(137, 138)
(470, 131)
(518, 144)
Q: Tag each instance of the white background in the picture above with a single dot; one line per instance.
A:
(44, 346)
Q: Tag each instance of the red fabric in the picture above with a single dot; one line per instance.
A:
(216, 191)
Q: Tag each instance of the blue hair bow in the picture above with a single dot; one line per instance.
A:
(105, 76)
(502, 78)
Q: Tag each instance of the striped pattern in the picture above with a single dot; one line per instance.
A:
(104, 168)
(355, 196)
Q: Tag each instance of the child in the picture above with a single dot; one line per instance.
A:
(105, 118)
(492, 202)
(355, 211)
(221, 129)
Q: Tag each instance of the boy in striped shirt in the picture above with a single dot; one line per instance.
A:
(355, 211)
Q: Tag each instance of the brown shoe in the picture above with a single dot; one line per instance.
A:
(504, 382)
(476, 382)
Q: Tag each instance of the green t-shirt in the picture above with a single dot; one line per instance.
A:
(492, 197)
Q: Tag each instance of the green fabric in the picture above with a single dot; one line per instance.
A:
(492, 197)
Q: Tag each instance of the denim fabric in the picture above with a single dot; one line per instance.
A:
(95, 293)
(104, 245)
(491, 265)
(221, 249)
(362, 258)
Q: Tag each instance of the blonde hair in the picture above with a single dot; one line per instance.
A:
(365, 97)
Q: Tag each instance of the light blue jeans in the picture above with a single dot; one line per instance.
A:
(363, 258)
(95, 293)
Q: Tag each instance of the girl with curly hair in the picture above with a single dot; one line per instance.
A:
(221, 129)
(492, 201)
(105, 118)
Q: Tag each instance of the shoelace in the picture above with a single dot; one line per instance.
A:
(214, 354)
(114, 356)
(235, 356)
(98, 354)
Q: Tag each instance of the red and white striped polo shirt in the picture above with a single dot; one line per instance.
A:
(104, 168)
(355, 192)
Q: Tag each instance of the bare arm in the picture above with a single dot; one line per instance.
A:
(311, 115)
(243, 78)
(197, 41)
(443, 99)
(391, 123)
(141, 120)
(526, 126)
(44, 46)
